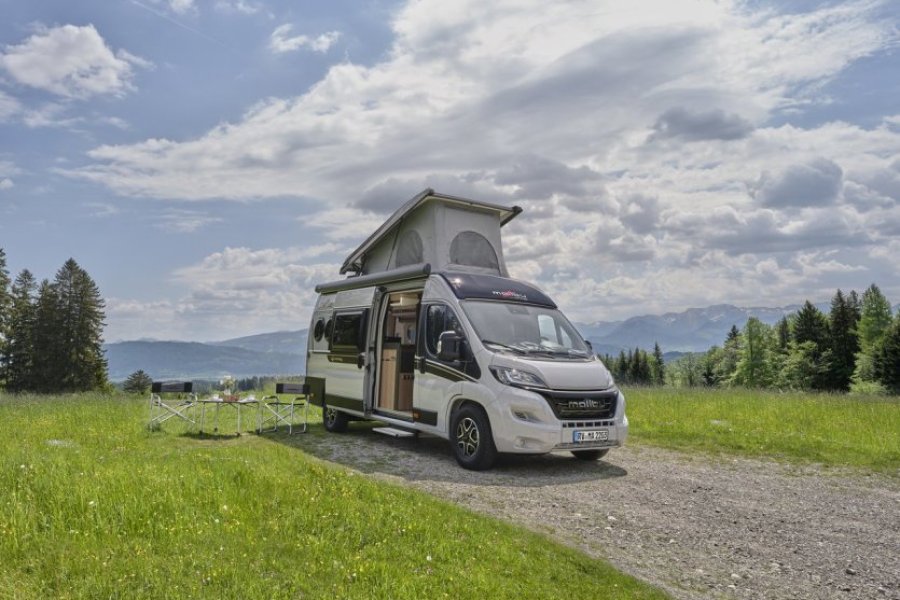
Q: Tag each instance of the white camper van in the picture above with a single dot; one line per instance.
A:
(429, 334)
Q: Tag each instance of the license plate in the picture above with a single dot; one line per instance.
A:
(600, 435)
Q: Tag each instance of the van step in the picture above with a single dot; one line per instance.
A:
(393, 432)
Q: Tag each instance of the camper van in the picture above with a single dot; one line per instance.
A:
(428, 334)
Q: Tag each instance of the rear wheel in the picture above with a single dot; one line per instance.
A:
(334, 420)
(473, 442)
(589, 454)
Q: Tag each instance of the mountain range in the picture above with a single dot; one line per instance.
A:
(284, 352)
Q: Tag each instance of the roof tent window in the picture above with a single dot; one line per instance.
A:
(409, 249)
(472, 249)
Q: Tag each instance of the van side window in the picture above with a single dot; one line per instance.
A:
(438, 319)
(346, 331)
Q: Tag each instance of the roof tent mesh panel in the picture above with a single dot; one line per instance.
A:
(472, 249)
(409, 249)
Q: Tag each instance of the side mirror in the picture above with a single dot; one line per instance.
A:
(590, 346)
(450, 346)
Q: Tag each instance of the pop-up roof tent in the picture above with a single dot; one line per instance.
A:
(448, 232)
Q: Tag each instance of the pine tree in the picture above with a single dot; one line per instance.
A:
(844, 342)
(621, 368)
(5, 314)
(733, 334)
(783, 330)
(81, 329)
(811, 325)
(659, 366)
(48, 355)
(875, 318)
(19, 357)
(139, 383)
(886, 355)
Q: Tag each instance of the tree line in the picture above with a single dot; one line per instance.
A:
(855, 346)
(51, 332)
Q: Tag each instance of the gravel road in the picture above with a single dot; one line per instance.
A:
(698, 527)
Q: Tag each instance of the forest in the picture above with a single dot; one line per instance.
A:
(51, 333)
(854, 347)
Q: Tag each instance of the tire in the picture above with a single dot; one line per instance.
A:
(471, 438)
(589, 454)
(334, 420)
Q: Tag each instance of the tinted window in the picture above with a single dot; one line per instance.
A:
(473, 249)
(346, 334)
(439, 319)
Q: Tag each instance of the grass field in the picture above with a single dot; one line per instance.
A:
(94, 505)
(828, 429)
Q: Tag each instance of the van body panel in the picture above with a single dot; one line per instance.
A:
(523, 421)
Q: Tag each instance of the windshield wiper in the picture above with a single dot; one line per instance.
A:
(505, 346)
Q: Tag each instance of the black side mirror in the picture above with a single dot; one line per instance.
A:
(450, 346)
(590, 346)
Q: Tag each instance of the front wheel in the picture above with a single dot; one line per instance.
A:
(334, 420)
(589, 454)
(473, 443)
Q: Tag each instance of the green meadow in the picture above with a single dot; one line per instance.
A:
(830, 429)
(92, 504)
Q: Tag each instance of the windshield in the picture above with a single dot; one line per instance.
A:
(524, 329)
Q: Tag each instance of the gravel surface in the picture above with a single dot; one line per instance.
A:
(698, 527)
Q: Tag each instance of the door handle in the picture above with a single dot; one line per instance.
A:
(360, 360)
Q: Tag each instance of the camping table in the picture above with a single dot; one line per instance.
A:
(218, 402)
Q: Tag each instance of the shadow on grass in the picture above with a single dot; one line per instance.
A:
(214, 435)
(429, 458)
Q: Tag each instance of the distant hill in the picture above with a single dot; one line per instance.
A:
(692, 330)
(286, 342)
(193, 360)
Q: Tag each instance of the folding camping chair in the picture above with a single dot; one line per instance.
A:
(272, 411)
(162, 409)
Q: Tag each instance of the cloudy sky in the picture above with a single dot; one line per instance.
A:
(209, 161)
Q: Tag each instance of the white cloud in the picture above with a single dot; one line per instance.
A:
(8, 168)
(9, 106)
(6, 183)
(102, 209)
(51, 114)
(70, 61)
(280, 40)
(635, 137)
(181, 6)
(238, 6)
(237, 291)
(185, 221)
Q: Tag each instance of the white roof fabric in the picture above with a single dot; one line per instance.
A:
(449, 232)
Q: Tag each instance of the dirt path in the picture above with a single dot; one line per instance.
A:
(697, 527)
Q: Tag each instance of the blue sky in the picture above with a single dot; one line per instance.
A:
(209, 161)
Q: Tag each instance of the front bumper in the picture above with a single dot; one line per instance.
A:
(523, 423)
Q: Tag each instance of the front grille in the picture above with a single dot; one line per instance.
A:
(582, 405)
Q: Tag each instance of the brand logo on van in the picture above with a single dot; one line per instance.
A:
(586, 403)
(510, 295)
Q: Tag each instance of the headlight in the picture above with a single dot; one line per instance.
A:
(517, 377)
